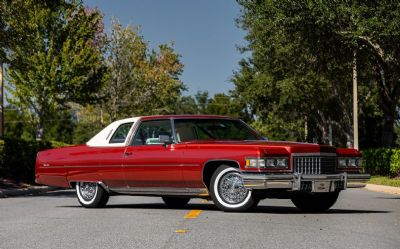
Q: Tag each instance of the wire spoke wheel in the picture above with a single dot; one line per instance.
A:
(91, 194)
(88, 190)
(228, 191)
(231, 188)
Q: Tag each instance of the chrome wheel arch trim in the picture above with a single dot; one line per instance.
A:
(216, 160)
(73, 184)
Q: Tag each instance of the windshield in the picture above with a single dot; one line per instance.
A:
(213, 129)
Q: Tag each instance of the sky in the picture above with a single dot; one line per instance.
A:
(204, 34)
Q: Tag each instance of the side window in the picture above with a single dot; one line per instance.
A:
(150, 132)
(121, 133)
(185, 130)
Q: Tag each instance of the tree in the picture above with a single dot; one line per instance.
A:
(202, 100)
(54, 57)
(186, 105)
(15, 124)
(300, 65)
(140, 82)
(3, 31)
(222, 104)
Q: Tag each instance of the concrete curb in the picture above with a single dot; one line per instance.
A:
(14, 192)
(383, 189)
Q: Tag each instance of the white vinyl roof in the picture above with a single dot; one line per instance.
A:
(102, 138)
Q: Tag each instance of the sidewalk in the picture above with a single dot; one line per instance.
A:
(383, 189)
(11, 188)
(13, 192)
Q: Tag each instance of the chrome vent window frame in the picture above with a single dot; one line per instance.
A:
(312, 163)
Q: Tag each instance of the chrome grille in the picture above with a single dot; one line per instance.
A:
(314, 165)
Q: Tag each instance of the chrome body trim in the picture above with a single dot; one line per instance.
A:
(314, 154)
(102, 184)
(357, 180)
(214, 160)
(132, 133)
(294, 181)
(174, 131)
(160, 191)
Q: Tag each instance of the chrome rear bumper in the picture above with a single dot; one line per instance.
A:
(298, 181)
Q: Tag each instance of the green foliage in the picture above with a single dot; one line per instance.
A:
(3, 32)
(139, 81)
(382, 161)
(300, 68)
(54, 56)
(384, 180)
(17, 124)
(85, 131)
(222, 104)
(18, 157)
(219, 104)
(395, 163)
(61, 127)
(186, 105)
(377, 161)
(58, 144)
(2, 158)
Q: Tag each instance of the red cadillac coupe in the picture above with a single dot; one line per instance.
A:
(179, 157)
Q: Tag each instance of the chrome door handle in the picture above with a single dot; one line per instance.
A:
(128, 154)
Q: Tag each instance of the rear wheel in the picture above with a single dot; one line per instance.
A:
(228, 192)
(314, 202)
(175, 202)
(91, 195)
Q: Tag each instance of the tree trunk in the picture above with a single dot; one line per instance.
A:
(1, 102)
(388, 130)
(388, 104)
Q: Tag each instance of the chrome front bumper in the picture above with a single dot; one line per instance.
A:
(316, 183)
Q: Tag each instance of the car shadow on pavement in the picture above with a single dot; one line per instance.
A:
(211, 207)
(293, 210)
(57, 193)
(208, 207)
(388, 198)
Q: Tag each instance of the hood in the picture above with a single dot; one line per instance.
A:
(291, 147)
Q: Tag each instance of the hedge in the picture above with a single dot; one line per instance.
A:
(18, 156)
(382, 161)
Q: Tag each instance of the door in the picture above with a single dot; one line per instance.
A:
(149, 163)
(111, 158)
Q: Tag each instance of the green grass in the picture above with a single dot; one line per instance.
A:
(384, 180)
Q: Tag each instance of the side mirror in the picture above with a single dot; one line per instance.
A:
(165, 139)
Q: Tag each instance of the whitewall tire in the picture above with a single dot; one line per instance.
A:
(91, 195)
(228, 192)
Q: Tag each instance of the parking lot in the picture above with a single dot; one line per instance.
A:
(360, 219)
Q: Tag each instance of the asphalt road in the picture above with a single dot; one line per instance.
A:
(360, 219)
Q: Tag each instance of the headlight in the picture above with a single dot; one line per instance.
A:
(349, 162)
(277, 162)
(269, 162)
(255, 163)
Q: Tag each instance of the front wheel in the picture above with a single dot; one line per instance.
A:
(91, 195)
(228, 192)
(314, 202)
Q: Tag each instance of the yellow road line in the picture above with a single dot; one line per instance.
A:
(180, 231)
(193, 214)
